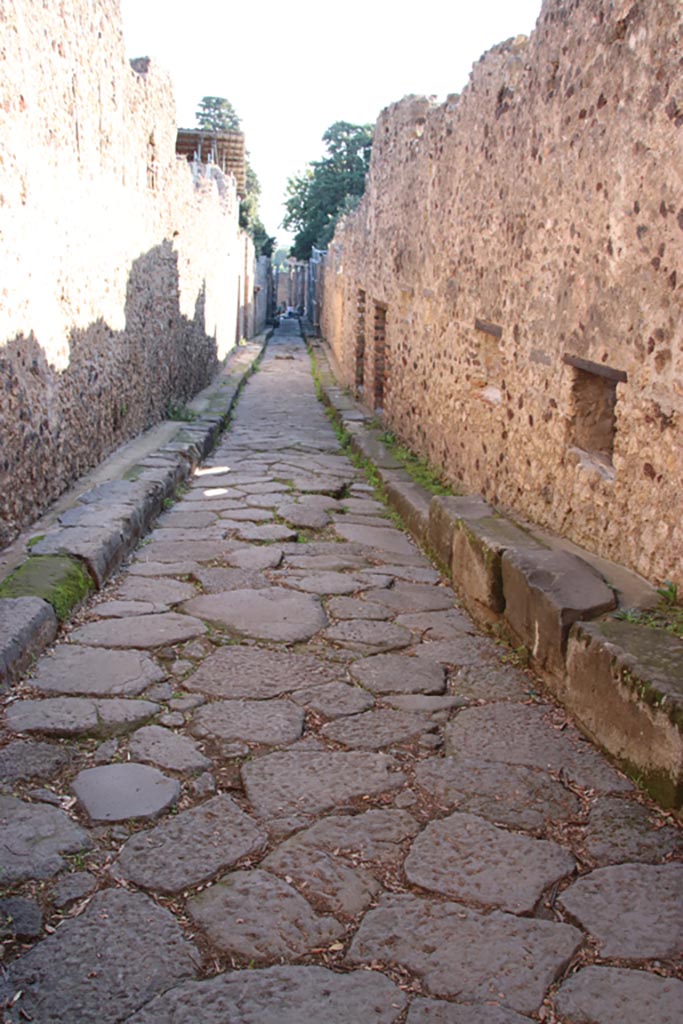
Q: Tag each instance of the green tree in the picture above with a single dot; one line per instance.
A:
(216, 114)
(329, 187)
(250, 218)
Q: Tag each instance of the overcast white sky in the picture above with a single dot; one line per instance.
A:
(293, 69)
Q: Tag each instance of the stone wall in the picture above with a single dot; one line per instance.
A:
(509, 291)
(120, 263)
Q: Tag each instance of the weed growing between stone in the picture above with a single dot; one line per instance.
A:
(667, 615)
(422, 472)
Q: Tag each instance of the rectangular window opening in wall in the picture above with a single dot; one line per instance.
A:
(360, 341)
(594, 399)
(380, 365)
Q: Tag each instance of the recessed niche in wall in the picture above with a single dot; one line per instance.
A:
(360, 340)
(594, 399)
(488, 358)
(152, 168)
(380, 363)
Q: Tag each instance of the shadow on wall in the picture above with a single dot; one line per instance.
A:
(56, 424)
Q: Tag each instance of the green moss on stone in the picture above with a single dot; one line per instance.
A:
(61, 581)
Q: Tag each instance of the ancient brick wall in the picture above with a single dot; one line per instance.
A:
(509, 291)
(116, 265)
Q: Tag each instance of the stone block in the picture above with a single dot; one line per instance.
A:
(101, 548)
(624, 684)
(58, 579)
(478, 539)
(410, 501)
(27, 626)
(545, 593)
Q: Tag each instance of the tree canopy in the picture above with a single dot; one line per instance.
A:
(329, 187)
(216, 114)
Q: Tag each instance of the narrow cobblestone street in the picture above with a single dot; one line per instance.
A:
(273, 773)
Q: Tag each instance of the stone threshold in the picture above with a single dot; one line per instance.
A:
(622, 682)
(85, 536)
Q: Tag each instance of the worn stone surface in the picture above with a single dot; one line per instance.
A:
(72, 887)
(334, 700)
(469, 859)
(20, 917)
(436, 1011)
(355, 608)
(70, 668)
(117, 792)
(167, 749)
(272, 614)
(72, 716)
(257, 673)
(67, 978)
(325, 583)
(521, 734)
(460, 952)
(29, 759)
(404, 598)
(492, 682)
(477, 651)
(27, 626)
(273, 722)
(392, 673)
(615, 995)
(279, 995)
(300, 514)
(161, 591)
(218, 580)
(253, 914)
(190, 848)
(145, 631)
(509, 794)
(384, 538)
(255, 558)
(375, 729)
(310, 781)
(368, 637)
(633, 910)
(621, 830)
(34, 838)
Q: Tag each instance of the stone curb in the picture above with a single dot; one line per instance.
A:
(108, 521)
(624, 688)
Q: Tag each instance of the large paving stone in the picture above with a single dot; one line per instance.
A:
(424, 573)
(255, 558)
(104, 964)
(633, 910)
(33, 838)
(20, 917)
(279, 995)
(255, 915)
(27, 626)
(163, 591)
(614, 995)
(185, 550)
(156, 570)
(356, 608)
(335, 561)
(258, 673)
(415, 597)
(490, 682)
(75, 716)
(469, 859)
(334, 700)
(507, 794)
(465, 650)
(272, 614)
(101, 548)
(118, 792)
(218, 580)
(450, 624)
(396, 673)
(95, 671)
(190, 848)
(274, 722)
(332, 861)
(621, 830)
(266, 532)
(325, 583)
(383, 538)
(167, 749)
(462, 953)
(310, 781)
(368, 637)
(436, 1011)
(375, 729)
(144, 631)
(299, 514)
(27, 759)
(524, 734)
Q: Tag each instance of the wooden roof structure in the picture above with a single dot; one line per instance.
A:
(224, 149)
